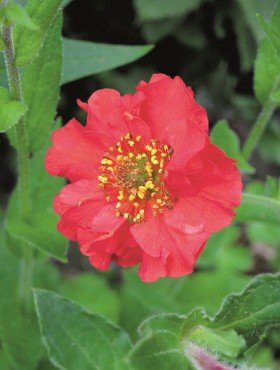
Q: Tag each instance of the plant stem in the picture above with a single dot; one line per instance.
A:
(20, 128)
(258, 129)
(13, 74)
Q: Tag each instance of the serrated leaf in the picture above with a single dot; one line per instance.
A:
(248, 315)
(10, 110)
(84, 58)
(82, 289)
(40, 86)
(252, 312)
(76, 339)
(39, 231)
(226, 139)
(150, 10)
(29, 42)
(16, 15)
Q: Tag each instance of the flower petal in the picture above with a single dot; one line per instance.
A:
(186, 139)
(77, 205)
(73, 154)
(166, 251)
(169, 100)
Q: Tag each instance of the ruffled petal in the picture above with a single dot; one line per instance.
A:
(110, 116)
(167, 251)
(207, 191)
(78, 204)
(120, 247)
(169, 100)
(186, 139)
(74, 154)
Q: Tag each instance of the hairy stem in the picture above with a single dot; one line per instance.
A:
(13, 74)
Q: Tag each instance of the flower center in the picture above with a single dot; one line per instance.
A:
(132, 174)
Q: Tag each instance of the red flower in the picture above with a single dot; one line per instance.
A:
(147, 186)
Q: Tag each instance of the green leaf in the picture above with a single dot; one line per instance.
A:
(76, 339)
(29, 42)
(225, 342)
(40, 86)
(276, 96)
(267, 72)
(10, 110)
(160, 350)
(272, 34)
(2, 44)
(150, 10)
(40, 230)
(258, 208)
(228, 141)
(167, 339)
(250, 8)
(83, 287)
(252, 312)
(84, 58)
(14, 14)
(140, 300)
(19, 332)
(3, 74)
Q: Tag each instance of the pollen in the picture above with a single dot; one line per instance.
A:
(132, 177)
(141, 192)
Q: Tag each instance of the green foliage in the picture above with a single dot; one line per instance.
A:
(228, 141)
(93, 293)
(40, 230)
(252, 312)
(84, 58)
(29, 42)
(19, 332)
(249, 9)
(10, 110)
(78, 339)
(12, 14)
(243, 319)
(267, 75)
(157, 9)
(40, 86)
(258, 208)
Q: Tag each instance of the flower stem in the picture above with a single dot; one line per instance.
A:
(20, 128)
(258, 129)
(13, 74)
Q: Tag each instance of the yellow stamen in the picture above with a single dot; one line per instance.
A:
(154, 159)
(102, 179)
(120, 196)
(141, 192)
(149, 184)
(131, 197)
